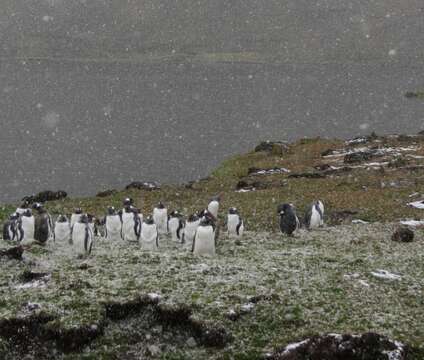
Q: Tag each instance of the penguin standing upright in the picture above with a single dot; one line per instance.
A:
(43, 224)
(75, 217)
(213, 206)
(314, 215)
(191, 225)
(82, 236)
(235, 224)
(28, 225)
(62, 229)
(113, 224)
(289, 221)
(176, 226)
(204, 240)
(160, 217)
(206, 214)
(11, 228)
(131, 225)
(149, 238)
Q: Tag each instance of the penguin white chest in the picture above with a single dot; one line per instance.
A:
(190, 230)
(173, 226)
(82, 238)
(213, 208)
(74, 219)
(148, 238)
(113, 227)
(28, 226)
(316, 218)
(204, 242)
(62, 231)
(129, 227)
(160, 218)
(233, 221)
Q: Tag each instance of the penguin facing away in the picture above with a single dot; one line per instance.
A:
(235, 225)
(191, 225)
(28, 225)
(176, 226)
(213, 206)
(160, 217)
(204, 240)
(82, 236)
(131, 225)
(43, 224)
(149, 238)
(11, 230)
(75, 216)
(314, 215)
(113, 224)
(62, 229)
(289, 221)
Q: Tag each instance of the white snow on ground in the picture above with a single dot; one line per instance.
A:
(359, 221)
(417, 204)
(413, 222)
(271, 171)
(294, 346)
(41, 283)
(386, 275)
(154, 296)
(247, 307)
(245, 190)
(396, 354)
(414, 194)
(382, 151)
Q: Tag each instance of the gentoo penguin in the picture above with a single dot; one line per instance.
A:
(113, 224)
(62, 229)
(43, 224)
(288, 219)
(160, 217)
(23, 207)
(75, 216)
(191, 225)
(207, 215)
(235, 225)
(131, 225)
(176, 226)
(28, 225)
(314, 215)
(204, 240)
(213, 206)
(82, 236)
(149, 238)
(11, 230)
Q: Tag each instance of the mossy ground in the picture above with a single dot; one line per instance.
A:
(314, 283)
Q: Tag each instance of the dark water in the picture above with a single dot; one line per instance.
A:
(86, 127)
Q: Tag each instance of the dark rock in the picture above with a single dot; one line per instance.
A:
(322, 167)
(421, 132)
(13, 252)
(368, 346)
(274, 147)
(341, 217)
(28, 276)
(328, 152)
(308, 175)
(140, 185)
(403, 234)
(106, 193)
(249, 184)
(266, 171)
(358, 157)
(341, 170)
(44, 196)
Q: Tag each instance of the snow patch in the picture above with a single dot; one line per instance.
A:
(417, 204)
(413, 222)
(385, 275)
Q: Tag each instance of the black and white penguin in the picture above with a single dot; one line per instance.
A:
(11, 228)
(62, 229)
(160, 217)
(213, 206)
(131, 225)
(75, 217)
(82, 236)
(191, 226)
(204, 240)
(149, 238)
(235, 224)
(289, 221)
(25, 205)
(314, 215)
(176, 226)
(113, 224)
(28, 225)
(207, 215)
(43, 224)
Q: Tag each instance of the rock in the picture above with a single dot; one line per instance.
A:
(328, 152)
(368, 346)
(140, 185)
(322, 167)
(44, 196)
(249, 184)
(308, 175)
(273, 147)
(403, 234)
(28, 276)
(153, 350)
(267, 171)
(106, 193)
(397, 162)
(13, 252)
(341, 217)
(358, 157)
(191, 342)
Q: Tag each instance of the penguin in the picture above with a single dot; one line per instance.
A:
(43, 224)
(82, 236)
(235, 224)
(289, 221)
(28, 225)
(160, 217)
(204, 240)
(213, 205)
(76, 215)
(314, 215)
(23, 207)
(149, 238)
(62, 229)
(92, 222)
(191, 225)
(113, 224)
(131, 225)
(11, 230)
(176, 226)
(207, 215)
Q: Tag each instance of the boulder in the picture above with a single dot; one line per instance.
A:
(106, 193)
(403, 234)
(44, 196)
(13, 252)
(272, 147)
(357, 157)
(143, 185)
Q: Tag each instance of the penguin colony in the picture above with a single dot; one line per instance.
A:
(200, 230)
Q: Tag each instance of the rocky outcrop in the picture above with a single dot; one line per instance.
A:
(106, 193)
(403, 234)
(140, 185)
(272, 147)
(44, 196)
(13, 252)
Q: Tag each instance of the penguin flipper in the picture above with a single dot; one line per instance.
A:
(194, 242)
(239, 226)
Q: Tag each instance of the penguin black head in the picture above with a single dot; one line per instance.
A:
(62, 219)
(206, 214)
(128, 202)
(233, 211)
(27, 213)
(149, 220)
(285, 208)
(111, 210)
(175, 213)
(25, 203)
(206, 221)
(160, 205)
(14, 216)
(84, 219)
(91, 218)
(193, 218)
(78, 211)
(37, 206)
